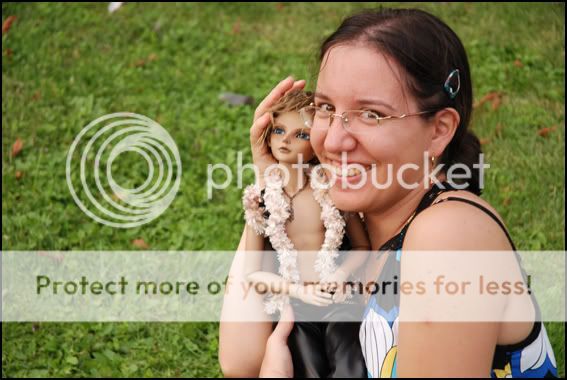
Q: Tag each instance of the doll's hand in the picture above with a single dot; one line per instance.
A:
(261, 155)
(312, 294)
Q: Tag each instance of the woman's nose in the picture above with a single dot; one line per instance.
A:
(338, 140)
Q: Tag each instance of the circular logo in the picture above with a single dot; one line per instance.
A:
(95, 152)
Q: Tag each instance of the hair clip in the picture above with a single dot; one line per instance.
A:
(452, 93)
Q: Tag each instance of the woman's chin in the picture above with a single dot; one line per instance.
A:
(347, 199)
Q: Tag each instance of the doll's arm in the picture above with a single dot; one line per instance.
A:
(253, 265)
(254, 245)
(312, 293)
(354, 259)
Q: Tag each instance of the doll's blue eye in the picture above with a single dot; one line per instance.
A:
(278, 131)
(303, 136)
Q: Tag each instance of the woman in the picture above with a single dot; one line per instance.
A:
(407, 72)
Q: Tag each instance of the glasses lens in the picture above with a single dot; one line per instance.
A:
(360, 122)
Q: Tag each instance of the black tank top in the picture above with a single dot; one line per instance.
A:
(532, 357)
(397, 241)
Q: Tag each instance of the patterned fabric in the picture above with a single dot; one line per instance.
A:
(533, 357)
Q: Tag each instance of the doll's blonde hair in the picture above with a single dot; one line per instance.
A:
(291, 102)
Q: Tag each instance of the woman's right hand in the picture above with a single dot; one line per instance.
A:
(261, 155)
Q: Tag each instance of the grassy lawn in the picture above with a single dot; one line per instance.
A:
(64, 65)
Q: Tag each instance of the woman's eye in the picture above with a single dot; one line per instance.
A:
(370, 115)
(278, 131)
(326, 107)
(303, 136)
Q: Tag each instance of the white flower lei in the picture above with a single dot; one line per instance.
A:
(274, 228)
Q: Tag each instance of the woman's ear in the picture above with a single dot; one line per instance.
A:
(445, 125)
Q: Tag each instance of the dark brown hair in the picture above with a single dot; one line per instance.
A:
(427, 51)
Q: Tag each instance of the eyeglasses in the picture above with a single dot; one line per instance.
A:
(355, 121)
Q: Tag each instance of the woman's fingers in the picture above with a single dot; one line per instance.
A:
(258, 127)
(297, 85)
(329, 286)
(286, 85)
(285, 324)
(323, 298)
(276, 93)
(277, 358)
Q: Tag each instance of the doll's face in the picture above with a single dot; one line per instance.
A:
(290, 138)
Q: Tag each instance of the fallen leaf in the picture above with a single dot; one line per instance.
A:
(544, 132)
(8, 52)
(140, 243)
(518, 63)
(143, 61)
(236, 27)
(58, 258)
(19, 174)
(279, 6)
(496, 103)
(17, 147)
(139, 63)
(7, 24)
(484, 141)
(506, 201)
(493, 97)
(36, 95)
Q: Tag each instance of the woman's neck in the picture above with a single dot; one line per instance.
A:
(384, 224)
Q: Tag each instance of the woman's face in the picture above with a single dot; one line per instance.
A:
(355, 77)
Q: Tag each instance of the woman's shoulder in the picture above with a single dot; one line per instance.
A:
(457, 220)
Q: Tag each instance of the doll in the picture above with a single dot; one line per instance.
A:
(305, 230)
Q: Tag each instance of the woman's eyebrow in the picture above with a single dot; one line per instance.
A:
(360, 101)
(375, 102)
(322, 96)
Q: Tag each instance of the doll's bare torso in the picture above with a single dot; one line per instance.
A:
(307, 233)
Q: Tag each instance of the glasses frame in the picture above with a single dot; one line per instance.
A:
(344, 116)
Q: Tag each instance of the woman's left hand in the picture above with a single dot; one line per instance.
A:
(277, 359)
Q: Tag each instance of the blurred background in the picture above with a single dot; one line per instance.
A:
(64, 65)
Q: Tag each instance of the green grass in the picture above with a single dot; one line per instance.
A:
(70, 64)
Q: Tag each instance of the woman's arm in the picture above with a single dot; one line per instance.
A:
(237, 359)
(428, 344)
